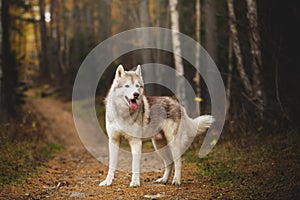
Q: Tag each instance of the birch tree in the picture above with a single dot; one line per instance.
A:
(197, 56)
(180, 90)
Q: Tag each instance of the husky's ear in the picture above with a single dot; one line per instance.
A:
(138, 70)
(120, 71)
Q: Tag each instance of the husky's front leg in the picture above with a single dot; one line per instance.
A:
(113, 146)
(136, 150)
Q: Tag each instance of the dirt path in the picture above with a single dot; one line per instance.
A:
(75, 174)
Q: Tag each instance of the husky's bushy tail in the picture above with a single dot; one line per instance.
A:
(201, 123)
(196, 126)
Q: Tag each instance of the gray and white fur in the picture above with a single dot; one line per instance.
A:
(132, 115)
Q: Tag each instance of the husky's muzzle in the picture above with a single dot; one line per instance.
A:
(133, 102)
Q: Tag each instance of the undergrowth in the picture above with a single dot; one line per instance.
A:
(252, 166)
(22, 150)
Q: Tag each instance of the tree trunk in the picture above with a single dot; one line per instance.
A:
(44, 54)
(211, 37)
(197, 56)
(158, 24)
(229, 78)
(105, 25)
(88, 23)
(60, 41)
(180, 90)
(237, 49)
(67, 20)
(55, 38)
(255, 53)
(162, 19)
(77, 36)
(145, 22)
(9, 71)
(149, 72)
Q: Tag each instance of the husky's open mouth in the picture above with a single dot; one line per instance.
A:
(132, 103)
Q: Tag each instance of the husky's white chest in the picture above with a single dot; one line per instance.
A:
(119, 121)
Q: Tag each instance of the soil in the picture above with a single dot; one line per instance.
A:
(75, 174)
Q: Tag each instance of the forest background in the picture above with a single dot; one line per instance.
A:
(255, 45)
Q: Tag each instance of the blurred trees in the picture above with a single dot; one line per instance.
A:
(8, 66)
(45, 41)
(180, 89)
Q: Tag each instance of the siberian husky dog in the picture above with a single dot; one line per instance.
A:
(132, 115)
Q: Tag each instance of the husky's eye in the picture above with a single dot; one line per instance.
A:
(127, 86)
(137, 85)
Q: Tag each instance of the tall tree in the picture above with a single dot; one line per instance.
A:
(149, 73)
(9, 71)
(67, 21)
(229, 77)
(55, 37)
(198, 39)
(180, 89)
(256, 58)
(105, 18)
(210, 23)
(45, 76)
(253, 89)
(77, 28)
(162, 19)
(210, 37)
(145, 22)
(237, 48)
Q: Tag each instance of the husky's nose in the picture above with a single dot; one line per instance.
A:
(136, 95)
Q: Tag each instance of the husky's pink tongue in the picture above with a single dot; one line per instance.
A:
(133, 106)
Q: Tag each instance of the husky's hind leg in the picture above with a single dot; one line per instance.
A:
(166, 155)
(167, 172)
(177, 162)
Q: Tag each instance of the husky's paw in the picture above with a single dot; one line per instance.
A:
(161, 180)
(106, 183)
(135, 183)
(135, 180)
(176, 181)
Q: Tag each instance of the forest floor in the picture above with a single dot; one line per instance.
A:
(250, 166)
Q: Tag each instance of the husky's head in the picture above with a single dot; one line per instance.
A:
(129, 86)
